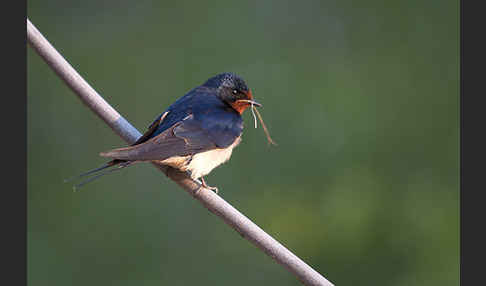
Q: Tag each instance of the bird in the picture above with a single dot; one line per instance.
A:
(195, 134)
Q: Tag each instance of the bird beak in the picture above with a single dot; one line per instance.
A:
(250, 102)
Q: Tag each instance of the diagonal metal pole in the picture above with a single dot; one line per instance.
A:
(214, 203)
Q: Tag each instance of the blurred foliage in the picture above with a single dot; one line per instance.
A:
(361, 96)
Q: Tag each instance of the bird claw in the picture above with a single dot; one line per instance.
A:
(214, 189)
(203, 184)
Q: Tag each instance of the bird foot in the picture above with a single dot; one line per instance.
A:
(214, 189)
(203, 184)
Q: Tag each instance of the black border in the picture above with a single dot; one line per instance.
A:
(14, 142)
(472, 142)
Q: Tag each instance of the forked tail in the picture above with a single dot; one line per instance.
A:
(116, 164)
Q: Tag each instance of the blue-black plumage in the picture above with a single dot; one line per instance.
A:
(196, 133)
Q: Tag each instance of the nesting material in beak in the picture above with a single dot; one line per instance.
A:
(253, 111)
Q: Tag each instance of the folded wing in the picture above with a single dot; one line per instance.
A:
(184, 138)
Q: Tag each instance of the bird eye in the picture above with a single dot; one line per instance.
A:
(235, 91)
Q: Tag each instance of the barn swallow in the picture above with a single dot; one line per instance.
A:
(197, 133)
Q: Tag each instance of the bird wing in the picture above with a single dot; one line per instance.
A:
(202, 123)
(184, 138)
(151, 129)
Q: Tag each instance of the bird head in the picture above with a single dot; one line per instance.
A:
(233, 90)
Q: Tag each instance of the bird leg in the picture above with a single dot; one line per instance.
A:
(214, 189)
(202, 183)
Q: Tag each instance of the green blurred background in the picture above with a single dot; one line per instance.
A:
(362, 98)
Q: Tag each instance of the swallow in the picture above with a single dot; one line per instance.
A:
(195, 134)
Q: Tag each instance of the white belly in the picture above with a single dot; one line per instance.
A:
(203, 163)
